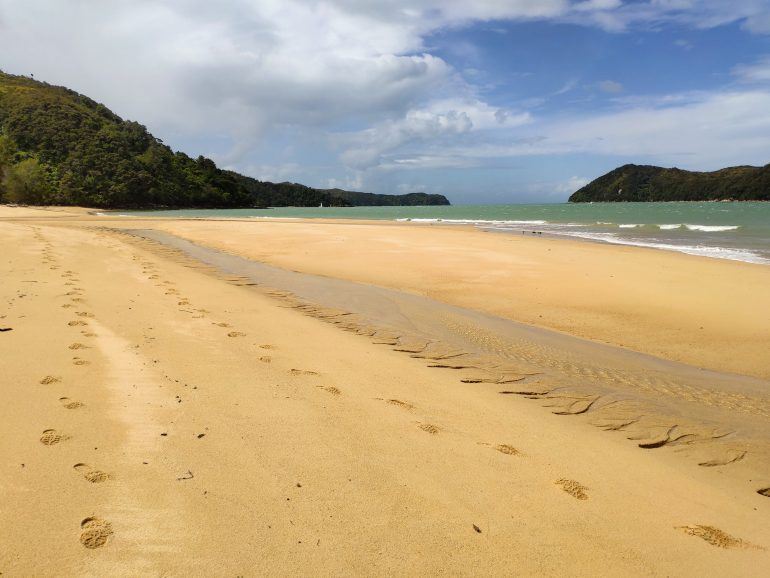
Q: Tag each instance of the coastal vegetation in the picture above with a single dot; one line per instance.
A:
(58, 147)
(649, 183)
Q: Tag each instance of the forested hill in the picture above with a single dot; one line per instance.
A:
(373, 200)
(58, 147)
(649, 183)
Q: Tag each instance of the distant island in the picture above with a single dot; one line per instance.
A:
(641, 183)
(58, 147)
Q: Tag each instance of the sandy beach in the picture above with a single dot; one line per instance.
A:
(166, 417)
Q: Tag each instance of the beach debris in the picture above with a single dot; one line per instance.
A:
(477, 529)
(200, 435)
(764, 492)
(4, 329)
(188, 476)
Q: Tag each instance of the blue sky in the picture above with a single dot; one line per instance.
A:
(489, 101)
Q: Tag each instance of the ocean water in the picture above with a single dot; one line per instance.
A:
(737, 231)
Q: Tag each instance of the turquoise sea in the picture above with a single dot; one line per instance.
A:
(738, 231)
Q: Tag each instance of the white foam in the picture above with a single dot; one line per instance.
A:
(630, 225)
(699, 250)
(712, 228)
(670, 227)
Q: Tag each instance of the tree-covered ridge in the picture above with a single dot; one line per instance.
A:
(58, 147)
(649, 183)
(374, 200)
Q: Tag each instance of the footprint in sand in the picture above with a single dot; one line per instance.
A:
(84, 314)
(267, 346)
(236, 334)
(715, 537)
(183, 302)
(70, 403)
(78, 361)
(51, 437)
(222, 324)
(302, 372)
(95, 532)
(266, 359)
(78, 346)
(401, 404)
(573, 488)
(67, 306)
(49, 379)
(333, 390)
(507, 450)
(430, 428)
(91, 474)
(76, 323)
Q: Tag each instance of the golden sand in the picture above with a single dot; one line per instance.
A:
(178, 451)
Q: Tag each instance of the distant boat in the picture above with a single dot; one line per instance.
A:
(321, 206)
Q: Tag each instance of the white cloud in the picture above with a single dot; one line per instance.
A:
(693, 130)
(439, 123)
(758, 71)
(570, 185)
(356, 75)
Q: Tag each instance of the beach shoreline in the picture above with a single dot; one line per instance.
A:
(167, 416)
(695, 310)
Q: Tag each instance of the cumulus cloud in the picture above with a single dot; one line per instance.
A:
(693, 130)
(440, 123)
(353, 75)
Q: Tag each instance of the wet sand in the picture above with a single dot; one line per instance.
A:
(701, 311)
(165, 416)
